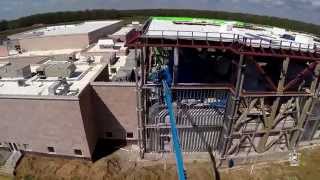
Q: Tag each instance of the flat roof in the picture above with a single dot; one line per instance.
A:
(23, 61)
(228, 31)
(68, 29)
(35, 86)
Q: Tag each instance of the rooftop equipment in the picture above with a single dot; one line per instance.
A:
(105, 43)
(15, 70)
(57, 69)
(125, 73)
(60, 87)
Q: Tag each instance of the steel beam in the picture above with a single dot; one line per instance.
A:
(266, 77)
(307, 71)
(239, 49)
(307, 108)
(269, 121)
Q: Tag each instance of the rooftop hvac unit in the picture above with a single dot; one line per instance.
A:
(15, 70)
(60, 87)
(105, 43)
(61, 69)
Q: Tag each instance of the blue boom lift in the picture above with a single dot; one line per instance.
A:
(166, 81)
(162, 75)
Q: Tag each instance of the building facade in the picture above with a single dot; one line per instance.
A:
(71, 123)
(3, 51)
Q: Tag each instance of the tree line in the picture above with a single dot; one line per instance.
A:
(143, 14)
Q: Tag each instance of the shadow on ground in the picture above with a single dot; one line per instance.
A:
(106, 147)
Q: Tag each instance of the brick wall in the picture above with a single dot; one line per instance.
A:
(115, 109)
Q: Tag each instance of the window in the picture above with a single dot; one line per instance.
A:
(51, 149)
(78, 152)
(129, 134)
(108, 134)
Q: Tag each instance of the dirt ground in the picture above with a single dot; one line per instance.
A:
(120, 165)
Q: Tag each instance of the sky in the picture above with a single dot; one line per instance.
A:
(303, 10)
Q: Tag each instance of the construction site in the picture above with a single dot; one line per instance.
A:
(173, 86)
(238, 89)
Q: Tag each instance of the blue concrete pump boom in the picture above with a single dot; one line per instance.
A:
(166, 83)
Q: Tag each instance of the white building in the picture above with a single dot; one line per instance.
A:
(73, 36)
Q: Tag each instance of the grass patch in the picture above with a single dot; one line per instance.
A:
(2, 177)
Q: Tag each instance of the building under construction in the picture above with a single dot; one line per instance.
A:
(238, 89)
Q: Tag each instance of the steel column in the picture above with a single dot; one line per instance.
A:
(234, 107)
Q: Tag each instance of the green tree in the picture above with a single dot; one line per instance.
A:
(142, 14)
(4, 25)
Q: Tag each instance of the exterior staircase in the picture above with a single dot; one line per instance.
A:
(10, 165)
